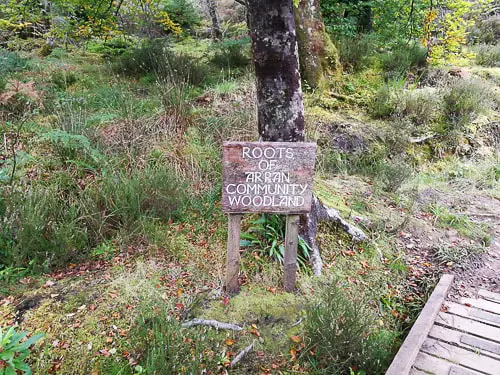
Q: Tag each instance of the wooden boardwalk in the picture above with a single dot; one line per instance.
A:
(452, 338)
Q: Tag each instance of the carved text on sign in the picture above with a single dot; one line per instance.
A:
(274, 177)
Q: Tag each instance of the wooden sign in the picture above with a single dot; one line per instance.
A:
(268, 177)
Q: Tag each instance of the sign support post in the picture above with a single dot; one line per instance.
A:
(233, 252)
(291, 244)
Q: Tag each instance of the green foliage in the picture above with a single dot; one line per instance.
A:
(72, 148)
(183, 13)
(64, 79)
(167, 349)
(158, 58)
(267, 236)
(355, 53)
(232, 53)
(341, 329)
(486, 31)
(345, 19)
(383, 103)
(420, 107)
(402, 59)
(13, 351)
(11, 62)
(110, 47)
(464, 101)
(458, 254)
(488, 55)
(399, 22)
(60, 221)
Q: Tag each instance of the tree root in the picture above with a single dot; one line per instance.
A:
(241, 354)
(318, 214)
(211, 323)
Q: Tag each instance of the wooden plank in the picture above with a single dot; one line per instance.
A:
(470, 326)
(490, 296)
(473, 313)
(464, 340)
(233, 253)
(462, 371)
(291, 244)
(485, 346)
(460, 356)
(272, 177)
(432, 365)
(406, 355)
(438, 366)
(414, 371)
(481, 304)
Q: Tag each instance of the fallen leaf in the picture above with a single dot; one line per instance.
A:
(254, 332)
(229, 342)
(296, 339)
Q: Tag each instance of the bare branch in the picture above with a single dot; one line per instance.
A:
(241, 354)
(211, 323)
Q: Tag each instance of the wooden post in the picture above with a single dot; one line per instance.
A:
(233, 253)
(291, 244)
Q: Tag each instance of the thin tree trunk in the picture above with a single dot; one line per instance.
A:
(212, 10)
(318, 56)
(275, 55)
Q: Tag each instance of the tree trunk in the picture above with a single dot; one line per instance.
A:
(319, 58)
(212, 10)
(275, 55)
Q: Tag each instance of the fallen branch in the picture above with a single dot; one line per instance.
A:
(211, 323)
(241, 354)
(479, 214)
(423, 139)
(297, 322)
(320, 213)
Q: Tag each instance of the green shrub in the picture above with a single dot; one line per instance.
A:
(158, 58)
(183, 12)
(72, 148)
(109, 48)
(464, 101)
(355, 53)
(419, 107)
(63, 79)
(167, 349)
(232, 53)
(44, 227)
(61, 219)
(488, 55)
(401, 59)
(13, 350)
(383, 103)
(341, 330)
(486, 31)
(11, 62)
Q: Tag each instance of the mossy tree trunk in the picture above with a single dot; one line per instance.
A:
(275, 55)
(212, 10)
(319, 60)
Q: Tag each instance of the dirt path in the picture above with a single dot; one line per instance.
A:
(487, 273)
(481, 271)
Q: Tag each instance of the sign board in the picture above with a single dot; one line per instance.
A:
(271, 177)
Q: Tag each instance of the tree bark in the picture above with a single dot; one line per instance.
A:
(319, 59)
(212, 10)
(275, 55)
